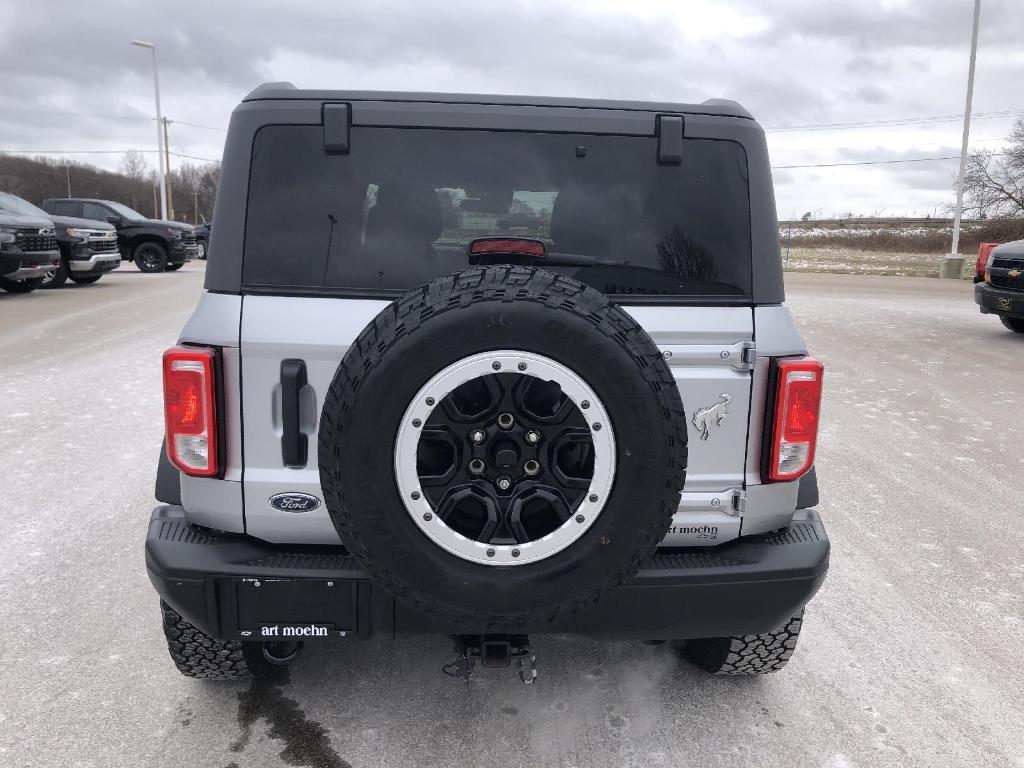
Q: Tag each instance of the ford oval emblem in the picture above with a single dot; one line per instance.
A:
(294, 502)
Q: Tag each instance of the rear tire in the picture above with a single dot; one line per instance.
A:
(746, 654)
(85, 279)
(57, 277)
(150, 257)
(198, 655)
(1015, 324)
(20, 286)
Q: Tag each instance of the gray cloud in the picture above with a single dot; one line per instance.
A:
(791, 62)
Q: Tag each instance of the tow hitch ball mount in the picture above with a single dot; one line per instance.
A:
(495, 651)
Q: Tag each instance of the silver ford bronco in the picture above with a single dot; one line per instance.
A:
(488, 366)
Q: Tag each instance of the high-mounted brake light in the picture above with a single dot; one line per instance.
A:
(505, 246)
(190, 410)
(795, 425)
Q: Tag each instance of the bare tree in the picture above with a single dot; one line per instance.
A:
(134, 164)
(994, 182)
(136, 168)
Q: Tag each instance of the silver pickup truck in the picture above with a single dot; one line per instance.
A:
(488, 366)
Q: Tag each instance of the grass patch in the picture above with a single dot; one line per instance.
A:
(852, 261)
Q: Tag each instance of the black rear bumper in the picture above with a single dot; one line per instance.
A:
(999, 301)
(237, 587)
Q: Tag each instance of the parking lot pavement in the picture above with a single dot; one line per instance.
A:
(911, 653)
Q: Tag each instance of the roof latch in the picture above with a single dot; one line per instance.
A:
(670, 139)
(336, 128)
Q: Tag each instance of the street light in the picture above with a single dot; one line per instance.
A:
(952, 265)
(159, 122)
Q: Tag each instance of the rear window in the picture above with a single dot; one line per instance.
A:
(404, 205)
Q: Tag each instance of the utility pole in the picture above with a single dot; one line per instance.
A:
(167, 160)
(195, 199)
(953, 265)
(159, 133)
(67, 172)
(156, 207)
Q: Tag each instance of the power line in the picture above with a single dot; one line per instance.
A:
(877, 162)
(876, 145)
(97, 152)
(200, 125)
(898, 121)
(104, 116)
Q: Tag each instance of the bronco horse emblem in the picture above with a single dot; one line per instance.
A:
(713, 415)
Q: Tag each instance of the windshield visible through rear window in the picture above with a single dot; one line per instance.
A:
(403, 206)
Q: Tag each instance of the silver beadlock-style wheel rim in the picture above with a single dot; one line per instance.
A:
(536, 476)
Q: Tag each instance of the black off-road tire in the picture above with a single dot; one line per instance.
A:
(747, 654)
(150, 257)
(198, 655)
(1015, 324)
(476, 311)
(85, 279)
(20, 286)
(58, 277)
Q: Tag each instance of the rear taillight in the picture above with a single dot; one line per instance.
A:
(984, 249)
(795, 424)
(190, 409)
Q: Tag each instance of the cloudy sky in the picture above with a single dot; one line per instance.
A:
(806, 69)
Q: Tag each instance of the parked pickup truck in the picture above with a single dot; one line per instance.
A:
(154, 245)
(401, 407)
(28, 245)
(1000, 290)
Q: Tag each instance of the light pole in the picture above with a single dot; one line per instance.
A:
(953, 264)
(159, 128)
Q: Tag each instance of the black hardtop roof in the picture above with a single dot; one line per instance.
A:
(287, 91)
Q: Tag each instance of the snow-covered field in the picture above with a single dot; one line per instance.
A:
(860, 262)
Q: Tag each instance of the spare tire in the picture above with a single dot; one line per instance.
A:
(502, 446)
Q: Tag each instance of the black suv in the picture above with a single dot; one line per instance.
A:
(154, 245)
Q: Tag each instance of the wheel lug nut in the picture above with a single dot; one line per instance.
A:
(476, 467)
(533, 437)
(580, 518)
(504, 483)
(430, 401)
(506, 420)
(427, 516)
(593, 498)
(531, 467)
(515, 553)
(522, 366)
(596, 426)
(585, 404)
(477, 436)
(490, 553)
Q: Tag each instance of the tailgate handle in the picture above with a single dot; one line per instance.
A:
(293, 441)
